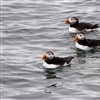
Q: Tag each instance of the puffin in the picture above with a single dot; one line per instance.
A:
(52, 62)
(86, 44)
(76, 26)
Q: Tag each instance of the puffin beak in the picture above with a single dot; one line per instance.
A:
(44, 57)
(67, 21)
(75, 39)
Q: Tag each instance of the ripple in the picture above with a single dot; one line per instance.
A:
(32, 27)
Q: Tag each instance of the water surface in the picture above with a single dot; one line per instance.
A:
(32, 27)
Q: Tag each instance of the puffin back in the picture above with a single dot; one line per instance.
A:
(68, 59)
(95, 26)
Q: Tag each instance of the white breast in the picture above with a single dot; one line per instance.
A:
(86, 48)
(49, 66)
(73, 30)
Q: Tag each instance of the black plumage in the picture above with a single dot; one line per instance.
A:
(58, 60)
(81, 26)
(90, 42)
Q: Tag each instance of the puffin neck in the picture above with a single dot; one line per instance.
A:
(50, 61)
(75, 24)
(83, 42)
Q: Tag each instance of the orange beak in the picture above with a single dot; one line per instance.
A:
(44, 57)
(75, 39)
(67, 22)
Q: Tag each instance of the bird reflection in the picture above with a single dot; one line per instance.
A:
(81, 53)
(50, 74)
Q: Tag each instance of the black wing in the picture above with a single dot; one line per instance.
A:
(83, 26)
(68, 59)
(92, 42)
(56, 60)
(60, 61)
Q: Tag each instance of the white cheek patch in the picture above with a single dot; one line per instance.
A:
(80, 37)
(72, 21)
(49, 56)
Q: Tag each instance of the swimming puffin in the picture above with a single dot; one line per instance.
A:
(86, 44)
(76, 26)
(51, 62)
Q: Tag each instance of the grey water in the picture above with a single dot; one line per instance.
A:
(29, 28)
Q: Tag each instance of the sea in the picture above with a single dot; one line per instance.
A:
(30, 28)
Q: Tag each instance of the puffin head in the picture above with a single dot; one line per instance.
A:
(48, 55)
(72, 20)
(79, 37)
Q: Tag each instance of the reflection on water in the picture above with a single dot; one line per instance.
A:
(51, 73)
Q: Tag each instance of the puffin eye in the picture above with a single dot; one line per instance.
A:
(71, 19)
(80, 35)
